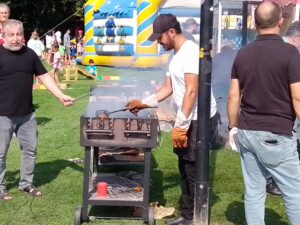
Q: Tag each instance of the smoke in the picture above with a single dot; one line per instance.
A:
(114, 95)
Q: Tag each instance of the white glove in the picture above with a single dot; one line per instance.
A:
(233, 139)
(181, 121)
(151, 101)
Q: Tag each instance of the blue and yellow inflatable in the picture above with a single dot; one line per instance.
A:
(116, 33)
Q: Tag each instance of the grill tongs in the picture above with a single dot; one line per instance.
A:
(104, 113)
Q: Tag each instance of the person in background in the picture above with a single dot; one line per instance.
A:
(79, 35)
(220, 79)
(73, 61)
(80, 48)
(4, 15)
(19, 64)
(263, 100)
(189, 29)
(56, 63)
(292, 35)
(92, 69)
(57, 37)
(67, 43)
(73, 50)
(36, 44)
(62, 51)
(48, 40)
(182, 81)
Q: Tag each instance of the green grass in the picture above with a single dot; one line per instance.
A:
(61, 181)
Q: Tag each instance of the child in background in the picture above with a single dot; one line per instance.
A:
(73, 50)
(56, 63)
(80, 48)
(91, 69)
(62, 51)
(73, 61)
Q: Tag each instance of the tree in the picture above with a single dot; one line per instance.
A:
(43, 15)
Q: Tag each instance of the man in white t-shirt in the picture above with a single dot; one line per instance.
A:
(182, 82)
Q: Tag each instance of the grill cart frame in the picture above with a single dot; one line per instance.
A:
(91, 166)
(109, 135)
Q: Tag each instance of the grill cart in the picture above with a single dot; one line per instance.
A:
(116, 139)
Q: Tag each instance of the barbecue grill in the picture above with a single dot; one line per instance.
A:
(117, 138)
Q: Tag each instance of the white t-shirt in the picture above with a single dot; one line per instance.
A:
(186, 60)
(36, 45)
(48, 41)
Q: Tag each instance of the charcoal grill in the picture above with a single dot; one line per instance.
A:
(108, 141)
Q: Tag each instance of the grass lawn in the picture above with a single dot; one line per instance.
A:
(61, 180)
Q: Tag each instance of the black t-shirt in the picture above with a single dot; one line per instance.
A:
(265, 69)
(16, 78)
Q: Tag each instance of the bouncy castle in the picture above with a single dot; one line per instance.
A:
(116, 32)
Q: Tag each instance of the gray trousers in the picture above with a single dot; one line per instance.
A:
(25, 128)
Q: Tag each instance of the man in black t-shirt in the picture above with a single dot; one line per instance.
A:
(263, 100)
(18, 65)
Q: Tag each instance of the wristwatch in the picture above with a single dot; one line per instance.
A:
(229, 128)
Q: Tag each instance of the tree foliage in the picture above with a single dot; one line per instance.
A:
(44, 15)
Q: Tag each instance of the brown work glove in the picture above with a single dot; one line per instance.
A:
(134, 106)
(179, 137)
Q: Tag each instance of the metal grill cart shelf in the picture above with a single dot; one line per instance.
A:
(119, 139)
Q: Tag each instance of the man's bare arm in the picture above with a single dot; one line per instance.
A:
(50, 84)
(191, 93)
(233, 103)
(295, 92)
(165, 90)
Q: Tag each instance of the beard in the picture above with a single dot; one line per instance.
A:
(168, 45)
(13, 48)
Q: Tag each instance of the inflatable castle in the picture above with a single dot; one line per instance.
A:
(116, 32)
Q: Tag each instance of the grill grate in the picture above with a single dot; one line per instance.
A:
(120, 187)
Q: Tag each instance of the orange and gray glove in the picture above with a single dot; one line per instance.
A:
(179, 138)
(179, 132)
(136, 105)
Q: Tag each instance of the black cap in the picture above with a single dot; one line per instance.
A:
(161, 24)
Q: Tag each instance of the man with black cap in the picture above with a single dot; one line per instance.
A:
(181, 81)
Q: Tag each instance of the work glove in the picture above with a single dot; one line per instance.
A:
(136, 105)
(179, 137)
(179, 132)
(233, 139)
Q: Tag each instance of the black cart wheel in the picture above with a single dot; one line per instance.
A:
(151, 220)
(78, 216)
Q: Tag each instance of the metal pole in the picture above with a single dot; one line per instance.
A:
(244, 23)
(220, 9)
(201, 207)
